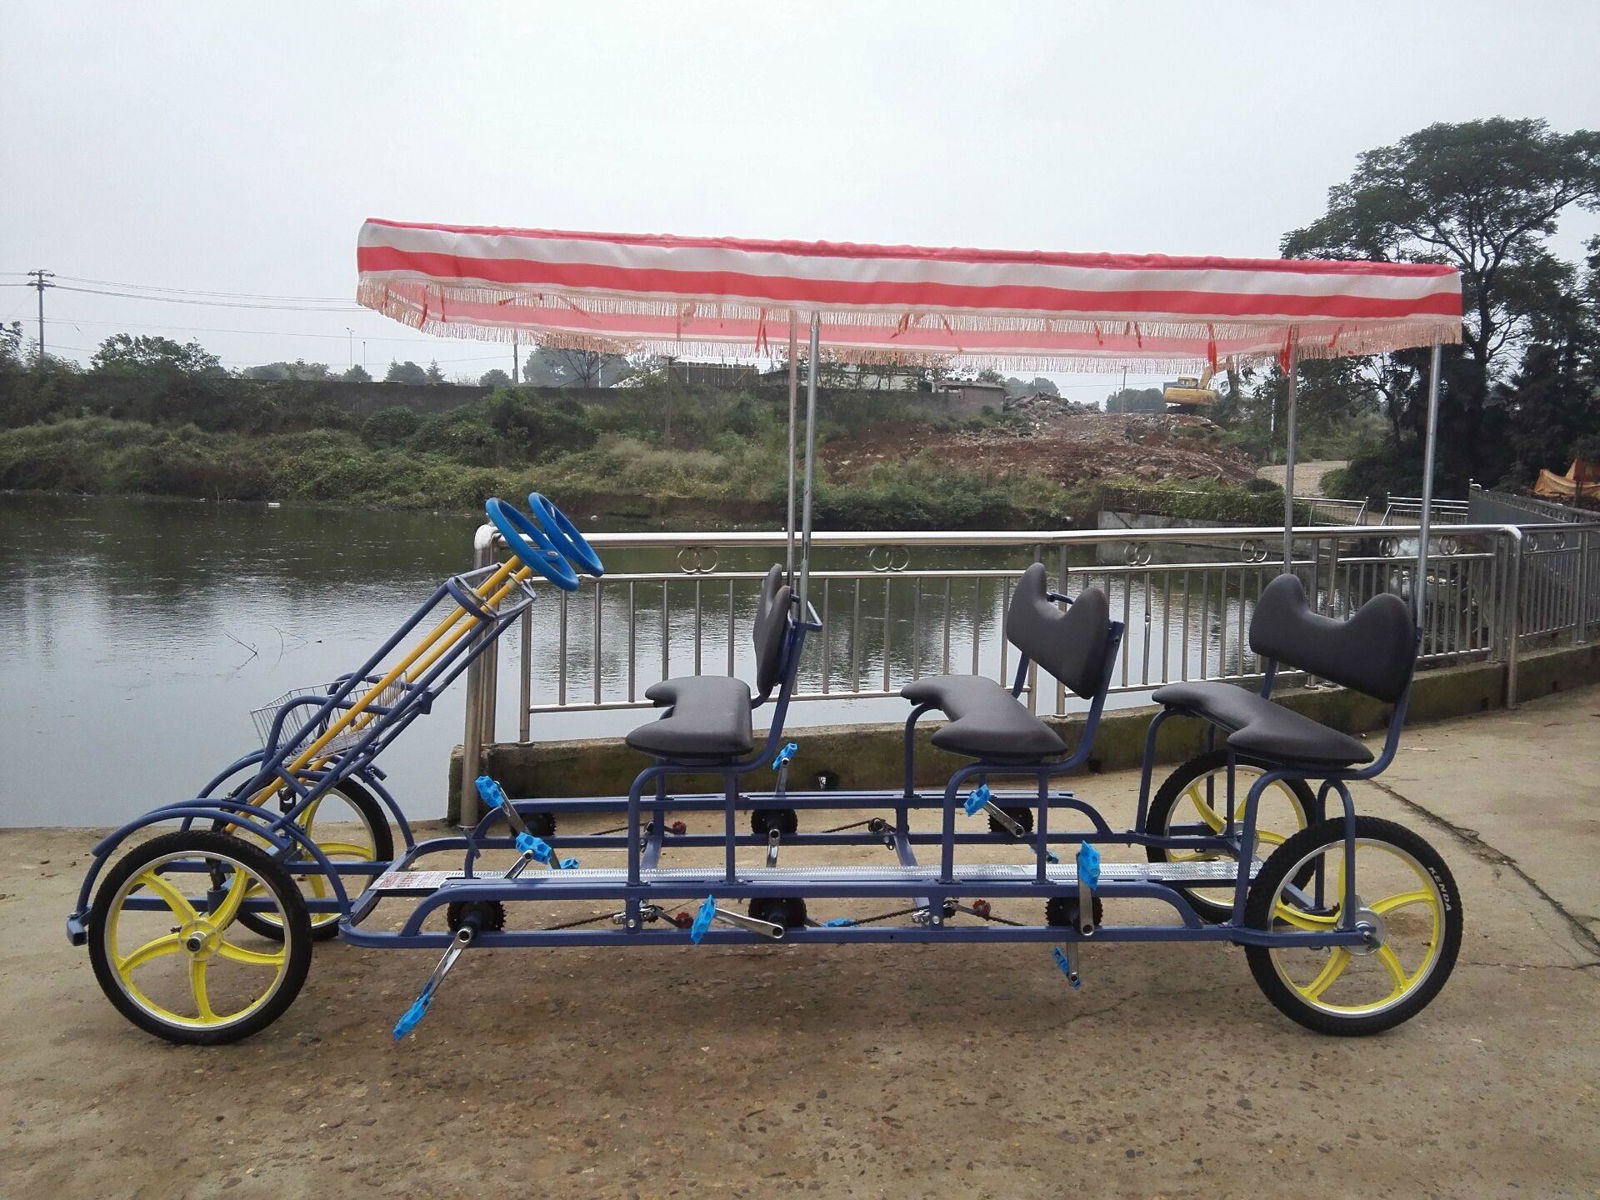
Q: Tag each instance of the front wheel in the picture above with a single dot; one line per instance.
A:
(168, 948)
(1406, 898)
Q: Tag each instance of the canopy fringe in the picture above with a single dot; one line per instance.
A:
(558, 319)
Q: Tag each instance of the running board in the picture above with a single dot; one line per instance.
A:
(1192, 874)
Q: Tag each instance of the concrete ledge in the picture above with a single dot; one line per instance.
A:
(869, 756)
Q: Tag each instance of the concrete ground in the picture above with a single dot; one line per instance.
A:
(898, 1071)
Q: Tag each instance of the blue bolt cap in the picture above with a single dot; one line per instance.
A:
(492, 793)
(977, 800)
(784, 755)
(703, 919)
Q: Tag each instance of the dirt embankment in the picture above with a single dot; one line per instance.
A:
(1072, 448)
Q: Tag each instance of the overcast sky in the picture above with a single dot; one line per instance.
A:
(236, 148)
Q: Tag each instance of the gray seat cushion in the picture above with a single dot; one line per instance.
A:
(1262, 730)
(708, 718)
(986, 721)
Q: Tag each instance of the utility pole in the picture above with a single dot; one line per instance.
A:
(40, 282)
(352, 334)
(514, 353)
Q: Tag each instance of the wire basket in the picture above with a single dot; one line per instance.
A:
(300, 731)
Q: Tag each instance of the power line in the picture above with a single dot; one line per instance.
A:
(152, 287)
(345, 307)
(413, 341)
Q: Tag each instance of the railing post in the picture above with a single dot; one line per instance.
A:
(479, 675)
(1513, 618)
(1580, 622)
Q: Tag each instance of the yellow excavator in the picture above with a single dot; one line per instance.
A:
(1190, 395)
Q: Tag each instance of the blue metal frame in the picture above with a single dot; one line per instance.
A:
(929, 890)
(293, 727)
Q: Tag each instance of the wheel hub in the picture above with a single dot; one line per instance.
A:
(200, 939)
(1370, 924)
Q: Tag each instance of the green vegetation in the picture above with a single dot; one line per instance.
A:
(1523, 388)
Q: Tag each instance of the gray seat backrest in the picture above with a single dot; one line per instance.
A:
(1071, 645)
(1373, 652)
(769, 631)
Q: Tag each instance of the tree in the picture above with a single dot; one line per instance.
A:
(356, 374)
(1552, 403)
(1484, 197)
(557, 366)
(434, 375)
(405, 372)
(12, 356)
(495, 378)
(126, 354)
(1136, 400)
(1037, 386)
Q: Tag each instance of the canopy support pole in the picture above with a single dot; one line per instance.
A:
(811, 459)
(794, 391)
(1419, 592)
(1288, 462)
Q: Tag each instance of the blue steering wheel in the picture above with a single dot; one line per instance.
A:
(566, 536)
(530, 544)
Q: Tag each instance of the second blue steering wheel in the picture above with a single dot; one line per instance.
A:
(531, 544)
(566, 536)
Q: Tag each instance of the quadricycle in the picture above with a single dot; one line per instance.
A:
(200, 916)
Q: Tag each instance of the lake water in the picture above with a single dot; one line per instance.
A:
(139, 634)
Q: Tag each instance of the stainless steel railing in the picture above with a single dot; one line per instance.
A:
(896, 606)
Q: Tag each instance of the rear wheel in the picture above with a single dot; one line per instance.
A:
(170, 952)
(1407, 900)
(1196, 795)
(348, 825)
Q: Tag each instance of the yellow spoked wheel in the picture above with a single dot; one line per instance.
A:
(1196, 794)
(169, 948)
(349, 825)
(1407, 902)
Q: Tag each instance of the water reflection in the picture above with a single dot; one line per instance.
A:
(140, 634)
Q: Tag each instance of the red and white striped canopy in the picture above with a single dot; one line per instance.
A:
(726, 297)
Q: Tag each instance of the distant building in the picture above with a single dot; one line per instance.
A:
(968, 397)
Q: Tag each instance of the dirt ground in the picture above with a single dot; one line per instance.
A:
(1071, 449)
(895, 1071)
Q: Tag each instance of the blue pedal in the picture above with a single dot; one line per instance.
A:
(491, 792)
(785, 756)
(412, 1016)
(543, 851)
(1064, 961)
(1088, 865)
(703, 919)
(838, 923)
(978, 800)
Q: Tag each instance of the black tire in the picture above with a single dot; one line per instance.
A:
(1444, 941)
(764, 820)
(218, 847)
(1022, 816)
(1212, 905)
(325, 926)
